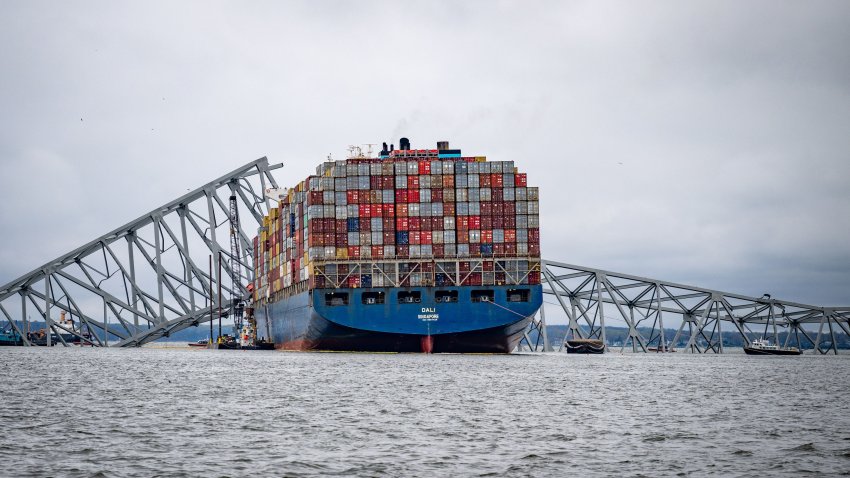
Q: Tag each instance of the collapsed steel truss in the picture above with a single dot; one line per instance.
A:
(589, 296)
(158, 285)
(151, 277)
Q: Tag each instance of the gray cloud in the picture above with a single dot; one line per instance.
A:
(729, 119)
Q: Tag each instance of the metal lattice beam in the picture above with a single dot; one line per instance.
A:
(586, 295)
(153, 286)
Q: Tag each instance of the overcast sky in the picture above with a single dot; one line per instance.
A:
(698, 142)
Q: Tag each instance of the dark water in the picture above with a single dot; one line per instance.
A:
(146, 412)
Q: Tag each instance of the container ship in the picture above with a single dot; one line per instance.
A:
(414, 250)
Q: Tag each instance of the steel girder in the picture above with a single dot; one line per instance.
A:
(150, 277)
(588, 296)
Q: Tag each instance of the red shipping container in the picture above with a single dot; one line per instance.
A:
(377, 210)
(439, 250)
(486, 237)
(463, 237)
(389, 210)
(436, 195)
(510, 222)
(427, 238)
(534, 277)
(389, 238)
(341, 226)
(486, 208)
(413, 182)
(475, 222)
(437, 223)
(412, 195)
(317, 239)
(498, 249)
(400, 196)
(401, 210)
(341, 240)
(402, 223)
(448, 209)
(415, 224)
(448, 181)
(354, 280)
(520, 180)
(415, 238)
(353, 252)
(314, 197)
(387, 182)
(510, 248)
(463, 223)
(497, 195)
(375, 182)
(364, 210)
(365, 225)
(388, 223)
(378, 251)
(496, 180)
(424, 167)
(484, 181)
(402, 251)
(463, 266)
(510, 235)
(487, 222)
(534, 235)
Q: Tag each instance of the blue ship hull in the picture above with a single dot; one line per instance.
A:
(352, 320)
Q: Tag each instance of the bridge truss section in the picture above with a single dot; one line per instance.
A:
(590, 296)
(152, 276)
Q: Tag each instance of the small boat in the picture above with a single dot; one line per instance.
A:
(10, 338)
(585, 346)
(201, 343)
(764, 347)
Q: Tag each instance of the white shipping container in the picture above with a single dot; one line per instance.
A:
(425, 195)
(328, 210)
(522, 221)
(389, 251)
(328, 196)
(486, 194)
(533, 207)
(315, 211)
(462, 209)
(462, 250)
(509, 194)
(340, 184)
(425, 209)
(388, 196)
(377, 237)
(521, 207)
(436, 167)
(437, 209)
(474, 168)
(377, 225)
(437, 237)
(474, 236)
(449, 237)
(415, 251)
(533, 194)
(461, 180)
(521, 194)
(353, 238)
(427, 250)
(474, 208)
(449, 223)
(533, 221)
(413, 209)
(330, 252)
(400, 182)
(461, 195)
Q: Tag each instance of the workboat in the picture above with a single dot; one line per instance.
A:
(764, 347)
(585, 346)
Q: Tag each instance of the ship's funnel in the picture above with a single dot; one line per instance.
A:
(442, 145)
(404, 144)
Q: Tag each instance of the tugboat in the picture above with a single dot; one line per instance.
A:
(585, 346)
(10, 338)
(764, 347)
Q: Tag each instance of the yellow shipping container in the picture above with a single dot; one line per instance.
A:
(480, 159)
(342, 253)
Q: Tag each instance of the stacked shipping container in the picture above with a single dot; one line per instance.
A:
(413, 216)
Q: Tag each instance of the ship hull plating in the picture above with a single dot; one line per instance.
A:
(347, 320)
